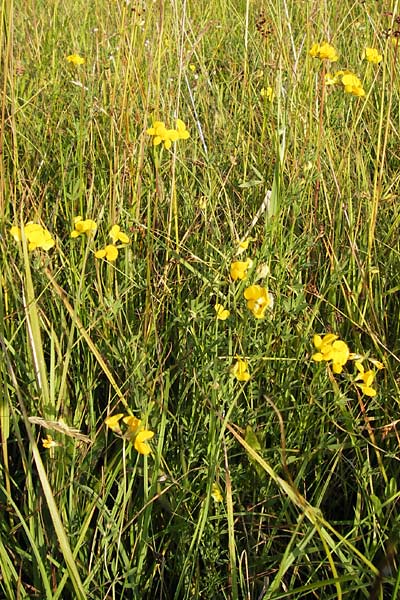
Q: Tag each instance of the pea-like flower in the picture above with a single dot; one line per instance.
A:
(48, 442)
(221, 312)
(75, 59)
(117, 235)
(372, 55)
(135, 432)
(216, 493)
(162, 135)
(36, 236)
(239, 269)
(331, 349)
(110, 253)
(240, 369)
(367, 379)
(352, 84)
(324, 51)
(258, 300)
(82, 226)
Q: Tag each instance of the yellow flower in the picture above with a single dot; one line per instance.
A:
(216, 493)
(324, 51)
(258, 300)
(330, 348)
(140, 441)
(352, 85)
(117, 235)
(239, 269)
(133, 424)
(87, 227)
(113, 422)
(183, 133)
(75, 59)
(222, 313)
(268, 93)
(331, 79)
(372, 55)
(110, 253)
(367, 378)
(36, 236)
(48, 442)
(240, 369)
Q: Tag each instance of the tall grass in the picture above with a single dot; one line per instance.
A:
(284, 486)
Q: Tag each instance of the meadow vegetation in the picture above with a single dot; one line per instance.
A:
(199, 299)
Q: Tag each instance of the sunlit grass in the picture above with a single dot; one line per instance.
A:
(199, 314)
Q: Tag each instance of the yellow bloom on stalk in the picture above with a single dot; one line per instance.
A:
(367, 378)
(166, 136)
(48, 442)
(324, 51)
(330, 348)
(109, 253)
(75, 59)
(117, 235)
(81, 226)
(222, 313)
(240, 369)
(113, 422)
(372, 55)
(268, 93)
(138, 435)
(352, 85)
(36, 236)
(258, 300)
(183, 133)
(216, 493)
(239, 269)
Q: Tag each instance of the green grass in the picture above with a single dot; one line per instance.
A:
(306, 463)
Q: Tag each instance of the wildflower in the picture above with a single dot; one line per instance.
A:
(372, 55)
(222, 313)
(140, 442)
(183, 133)
(138, 435)
(110, 252)
(113, 422)
(240, 369)
(87, 227)
(324, 51)
(48, 442)
(268, 93)
(367, 378)
(352, 85)
(117, 235)
(75, 59)
(239, 269)
(330, 348)
(216, 493)
(36, 236)
(258, 300)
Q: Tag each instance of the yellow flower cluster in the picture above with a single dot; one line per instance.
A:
(166, 136)
(134, 431)
(335, 351)
(240, 369)
(88, 227)
(372, 55)
(36, 236)
(324, 51)
(351, 83)
(75, 59)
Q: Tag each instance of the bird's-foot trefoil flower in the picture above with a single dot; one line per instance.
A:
(75, 59)
(331, 349)
(240, 370)
(82, 226)
(366, 378)
(222, 313)
(238, 269)
(117, 235)
(324, 51)
(372, 55)
(110, 253)
(36, 236)
(259, 299)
